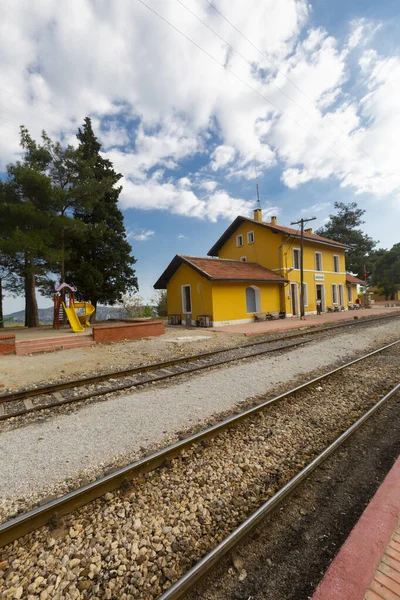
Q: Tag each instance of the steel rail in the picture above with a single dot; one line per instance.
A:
(37, 517)
(155, 378)
(205, 564)
(57, 387)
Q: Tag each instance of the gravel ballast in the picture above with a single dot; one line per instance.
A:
(135, 543)
(290, 551)
(51, 457)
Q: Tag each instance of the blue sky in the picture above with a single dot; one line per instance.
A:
(310, 103)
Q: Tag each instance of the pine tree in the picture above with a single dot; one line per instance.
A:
(343, 227)
(26, 236)
(99, 262)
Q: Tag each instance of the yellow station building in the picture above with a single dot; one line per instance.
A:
(255, 268)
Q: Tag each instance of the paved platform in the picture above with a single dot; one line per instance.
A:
(367, 566)
(252, 329)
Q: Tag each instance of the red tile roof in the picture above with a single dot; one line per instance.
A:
(218, 269)
(307, 236)
(352, 279)
(312, 237)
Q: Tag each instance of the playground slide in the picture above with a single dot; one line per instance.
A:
(73, 319)
(89, 310)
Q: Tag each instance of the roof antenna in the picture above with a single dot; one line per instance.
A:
(258, 206)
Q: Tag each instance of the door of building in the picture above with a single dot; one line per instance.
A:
(341, 295)
(295, 298)
(320, 295)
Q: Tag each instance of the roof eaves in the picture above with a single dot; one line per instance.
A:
(249, 279)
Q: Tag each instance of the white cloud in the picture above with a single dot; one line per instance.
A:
(153, 195)
(209, 186)
(181, 236)
(318, 207)
(141, 235)
(221, 157)
(361, 32)
(158, 106)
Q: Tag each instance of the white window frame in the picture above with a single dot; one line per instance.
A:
(335, 299)
(305, 294)
(184, 307)
(293, 252)
(341, 294)
(250, 233)
(243, 258)
(336, 257)
(239, 237)
(319, 254)
(350, 292)
(257, 299)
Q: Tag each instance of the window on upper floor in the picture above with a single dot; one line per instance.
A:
(336, 263)
(296, 258)
(239, 240)
(250, 237)
(318, 261)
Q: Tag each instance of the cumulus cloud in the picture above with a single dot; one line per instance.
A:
(222, 156)
(315, 208)
(155, 195)
(158, 105)
(140, 235)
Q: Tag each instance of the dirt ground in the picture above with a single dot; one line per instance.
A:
(25, 371)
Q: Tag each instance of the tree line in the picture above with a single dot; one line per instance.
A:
(381, 266)
(60, 221)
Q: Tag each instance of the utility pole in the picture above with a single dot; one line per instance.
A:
(301, 223)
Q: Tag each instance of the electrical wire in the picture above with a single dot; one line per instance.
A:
(283, 74)
(318, 121)
(269, 101)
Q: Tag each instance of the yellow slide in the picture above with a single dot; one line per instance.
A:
(89, 310)
(78, 322)
(73, 319)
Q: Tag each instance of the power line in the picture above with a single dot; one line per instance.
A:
(237, 76)
(19, 97)
(316, 120)
(284, 75)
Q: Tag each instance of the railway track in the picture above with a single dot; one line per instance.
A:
(35, 399)
(129, 478)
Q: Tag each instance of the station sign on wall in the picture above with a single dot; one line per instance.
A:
(318, 277)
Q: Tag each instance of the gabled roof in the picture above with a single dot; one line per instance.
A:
(352, 279)
(219, 269)
(312, 237)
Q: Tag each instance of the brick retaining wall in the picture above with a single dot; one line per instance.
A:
(127, 331)
(7, 343)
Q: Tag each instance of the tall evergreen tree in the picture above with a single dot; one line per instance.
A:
(344, 227)
(26, 236)
(100, 262)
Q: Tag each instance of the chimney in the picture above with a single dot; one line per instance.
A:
(258, 214)
(309, 230)
(273, 221)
